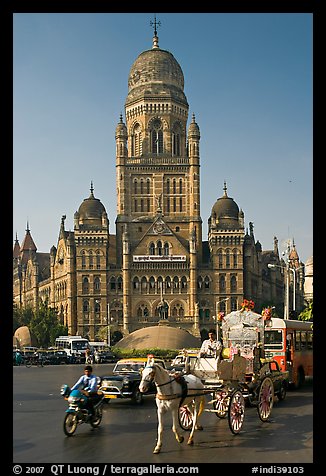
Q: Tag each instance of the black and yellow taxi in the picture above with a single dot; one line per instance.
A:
(125, 379)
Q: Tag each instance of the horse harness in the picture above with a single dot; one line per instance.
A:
(184, 387)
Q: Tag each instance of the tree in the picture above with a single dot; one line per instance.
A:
(307, 313)
(21, 316)
(43, 323)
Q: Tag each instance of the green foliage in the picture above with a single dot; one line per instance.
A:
(307, 313)
(21, 316)
(43, 323)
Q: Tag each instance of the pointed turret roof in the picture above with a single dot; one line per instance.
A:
(28, 243)
(16, 251)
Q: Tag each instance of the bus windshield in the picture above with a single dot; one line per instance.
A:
(79, 345)
(273, 339)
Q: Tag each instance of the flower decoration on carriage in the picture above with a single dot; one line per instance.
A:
(220, 316)
(267, 313)
(247, 305)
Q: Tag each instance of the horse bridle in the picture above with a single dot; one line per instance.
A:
(151, 375)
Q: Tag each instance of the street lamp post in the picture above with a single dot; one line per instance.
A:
(294, 271)
(286, 304)
(109, 331)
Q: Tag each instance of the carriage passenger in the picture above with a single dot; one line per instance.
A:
(211, 347)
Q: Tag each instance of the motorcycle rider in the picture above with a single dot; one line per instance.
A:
(87, 384)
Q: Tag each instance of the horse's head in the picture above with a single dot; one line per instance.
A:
(147, 375)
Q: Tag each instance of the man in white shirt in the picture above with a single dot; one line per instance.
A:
(210, 347)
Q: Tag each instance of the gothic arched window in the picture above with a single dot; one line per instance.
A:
(233, 284)
(157, 137)
(83, 259)
(97, 284)
(98, 260)
(235, 259)
(85, 287)
(176, 141)
(136, 141)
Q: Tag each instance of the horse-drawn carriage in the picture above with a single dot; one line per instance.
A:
(240, 375)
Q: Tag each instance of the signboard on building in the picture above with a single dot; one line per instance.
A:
(152, 258)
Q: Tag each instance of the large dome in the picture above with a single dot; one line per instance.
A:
(225, 207)
(156, 73)
(225, 212)
(91, 208)
(162, 337)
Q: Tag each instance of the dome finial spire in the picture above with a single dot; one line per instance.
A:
(92, 188)
(155, 24)
(225, 189)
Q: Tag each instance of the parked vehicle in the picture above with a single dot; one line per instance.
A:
(77, 412)
(104, 357)
(125, 379)
(101, 353)
(178, 363)
(75, 346)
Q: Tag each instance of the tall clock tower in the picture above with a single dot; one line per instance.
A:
(158, 225)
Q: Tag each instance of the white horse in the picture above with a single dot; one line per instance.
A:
(170, 395)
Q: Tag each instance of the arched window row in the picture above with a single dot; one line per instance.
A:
(145, 313)
(98, 307)
(228, 258)
(168, 285)
(60, 290)
(141, 186)
(142, 205)
(153, 108)
(159, 249)
(174, 186)
(45, 294)
(90, 240)
(115, 283)
(91, 259)
(204, 283)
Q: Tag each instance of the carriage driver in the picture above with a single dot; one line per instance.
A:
(210, 347)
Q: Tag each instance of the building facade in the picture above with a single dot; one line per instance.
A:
(156, 265)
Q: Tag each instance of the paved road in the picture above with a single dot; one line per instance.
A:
(128, 433)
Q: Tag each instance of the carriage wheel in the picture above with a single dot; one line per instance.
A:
(265, 399)
(185, 418)
(221, 404)
(236, 412)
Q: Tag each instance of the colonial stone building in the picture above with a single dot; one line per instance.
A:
(156, 265)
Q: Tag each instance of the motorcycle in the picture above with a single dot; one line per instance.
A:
(77, 412)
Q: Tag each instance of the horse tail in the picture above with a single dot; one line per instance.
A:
(201, 405)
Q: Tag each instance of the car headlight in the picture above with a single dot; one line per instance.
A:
(125, 381)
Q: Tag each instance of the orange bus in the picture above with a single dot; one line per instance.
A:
(290, 343)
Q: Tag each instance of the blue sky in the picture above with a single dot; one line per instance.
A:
(248, 79)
